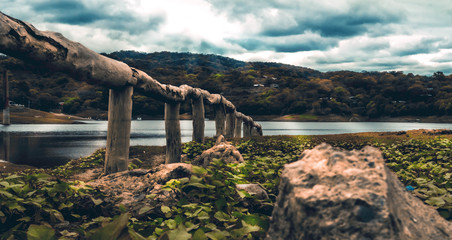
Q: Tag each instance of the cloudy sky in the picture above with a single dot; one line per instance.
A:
(382, 35)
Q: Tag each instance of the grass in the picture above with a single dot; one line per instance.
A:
(306, 117)
(301, 117)
(24, 115)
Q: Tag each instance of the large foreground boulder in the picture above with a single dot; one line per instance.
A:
(333, 194)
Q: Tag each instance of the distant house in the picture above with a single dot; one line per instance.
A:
(258, 85)
(403, 102)
(13, 104)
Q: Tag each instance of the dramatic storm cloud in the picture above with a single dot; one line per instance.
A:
(386, 35)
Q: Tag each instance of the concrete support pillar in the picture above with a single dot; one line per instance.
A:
(247, 129)
(254, 132)
(173, 134)
(230, 125)
(220, 117)
(6, 117)
(238, 127)
(198, 115)
(259, 131)
(6, 146)
(118, 134)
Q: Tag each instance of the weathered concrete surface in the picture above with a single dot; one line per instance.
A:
(118, 134)
(173, 134)
(221, 150)
(220, 118)
(198, 113)
(332, 194)
(238, 126)
(230, 125)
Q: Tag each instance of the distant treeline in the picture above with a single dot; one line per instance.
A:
(255, 88)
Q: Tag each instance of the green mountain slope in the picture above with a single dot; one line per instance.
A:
(256, 88)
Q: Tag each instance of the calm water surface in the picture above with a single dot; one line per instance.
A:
(47, 145)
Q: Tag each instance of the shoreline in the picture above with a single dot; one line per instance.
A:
(32, 116)
(141, 151)
(327, 118)
(337, 118)
(23, 115)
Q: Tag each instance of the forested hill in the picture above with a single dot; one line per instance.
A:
(256, 88)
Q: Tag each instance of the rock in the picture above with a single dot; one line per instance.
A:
(172, 171)
(222, 150)
(253, 189)
(220, 139)
(130, 188)
(333, 194)
(138, 172)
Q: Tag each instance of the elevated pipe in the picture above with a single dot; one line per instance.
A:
(54, 52)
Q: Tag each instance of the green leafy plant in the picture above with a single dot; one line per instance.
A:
(194, 149)
(427, 166)
(206, 205)
(27, 201)
(75, 166)
(209, 206)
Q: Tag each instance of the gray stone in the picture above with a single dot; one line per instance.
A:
(253, 189)
(334, 194)
(129, 188)
(222, 150)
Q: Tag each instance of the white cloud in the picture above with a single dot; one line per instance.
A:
(408, 35)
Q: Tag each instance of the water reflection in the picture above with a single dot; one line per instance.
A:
(47, 145)
(45, 150)
(6, 146)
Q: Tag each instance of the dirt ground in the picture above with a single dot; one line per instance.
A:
(149, 157)
(23, 115)
(7, 167)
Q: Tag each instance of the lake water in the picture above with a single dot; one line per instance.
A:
(47, 145)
